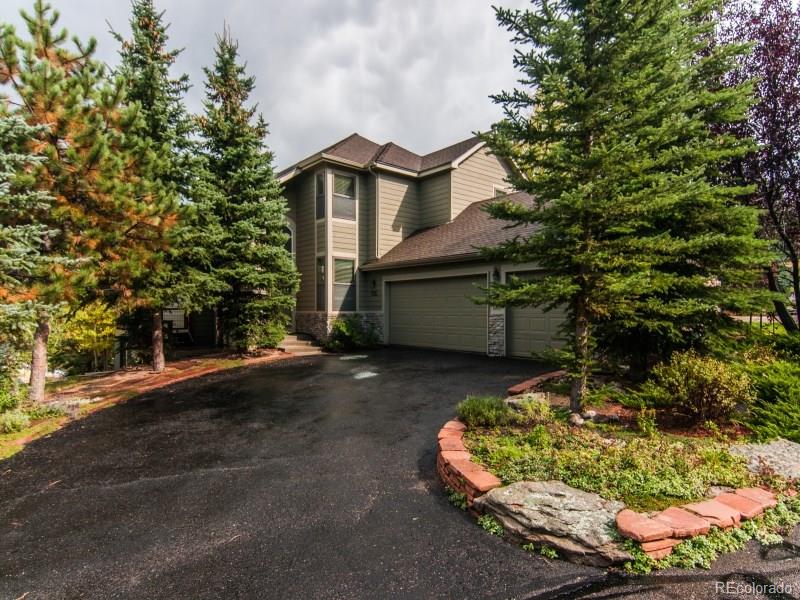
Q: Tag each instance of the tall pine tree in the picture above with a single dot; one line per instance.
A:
(251, 258)
(640, 237)
(21, 243)
(184, 276)
(104, 219)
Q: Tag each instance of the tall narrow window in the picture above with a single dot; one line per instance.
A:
(344, 197)
(320, 194)
(321, 294)
(344, 285)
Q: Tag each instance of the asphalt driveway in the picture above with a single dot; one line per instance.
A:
(309, 478)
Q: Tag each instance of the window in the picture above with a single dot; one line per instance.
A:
(320, 194)
(344, 197)
(321, 294)
(344, 286)
(290, 240)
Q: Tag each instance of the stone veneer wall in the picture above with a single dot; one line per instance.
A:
(318, 324)
(497, 333)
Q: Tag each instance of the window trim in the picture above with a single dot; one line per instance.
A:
(323, 173)
(323, 259)
(354, 177)
(293, 236)
(353, 259)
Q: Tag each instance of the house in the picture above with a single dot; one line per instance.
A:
(392, 235)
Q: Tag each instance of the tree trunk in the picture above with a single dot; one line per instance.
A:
(39, 361)
(780, 308)
(580, 384)
(158, 342)
(218, 334)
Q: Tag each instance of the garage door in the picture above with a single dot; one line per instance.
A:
(530, 329)
(437, 313)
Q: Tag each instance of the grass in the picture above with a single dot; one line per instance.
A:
(646, 473)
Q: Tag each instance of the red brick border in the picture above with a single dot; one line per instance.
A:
(529, 384)
(658, 534)
(455, 468)
(665, 530)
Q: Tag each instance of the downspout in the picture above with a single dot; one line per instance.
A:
(371, 170)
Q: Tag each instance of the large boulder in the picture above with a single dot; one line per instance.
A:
(580, 525)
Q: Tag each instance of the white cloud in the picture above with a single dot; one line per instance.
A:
(417, 72)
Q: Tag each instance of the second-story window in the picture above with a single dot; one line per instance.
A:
(320, 194)
(344, 197)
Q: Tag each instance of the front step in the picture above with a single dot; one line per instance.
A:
(299, 345)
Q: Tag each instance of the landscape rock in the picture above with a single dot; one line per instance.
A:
(578, 524)
(589, 415)
(782, 456)
(575, 420)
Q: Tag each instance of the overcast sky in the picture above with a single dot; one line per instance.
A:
(416, 72)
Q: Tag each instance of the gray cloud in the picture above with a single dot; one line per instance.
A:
(417, 72)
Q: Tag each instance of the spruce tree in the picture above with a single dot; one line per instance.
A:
(103, 220)
(639, 235)
(21, 244)
(184, 275)
(251, 258)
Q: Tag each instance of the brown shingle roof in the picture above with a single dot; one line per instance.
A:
(457, 240)
(358, 149)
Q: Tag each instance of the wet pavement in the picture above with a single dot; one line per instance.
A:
(306, 478)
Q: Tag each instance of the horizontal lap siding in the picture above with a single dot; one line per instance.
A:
(344, 238)
(399, 210)
(475, 179)
(434, 197)
(300, 194)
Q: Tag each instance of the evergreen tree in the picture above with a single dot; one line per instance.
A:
(251, 258)
(183, 276)
(641, 238)
(21, 244)
(104, 219)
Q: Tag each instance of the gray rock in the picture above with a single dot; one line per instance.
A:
(579, 525)
(516, 401)
(782, 456)
(589, 415)
(575, 420)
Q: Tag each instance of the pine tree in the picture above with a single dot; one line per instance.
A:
(641, 238)
(251, 258)
(103, 219)
(183, 276)
(21, 243)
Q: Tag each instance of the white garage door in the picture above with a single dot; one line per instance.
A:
(438, 313)
(530, 329)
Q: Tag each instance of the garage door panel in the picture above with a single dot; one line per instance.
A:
(531, 330)
(438, 313)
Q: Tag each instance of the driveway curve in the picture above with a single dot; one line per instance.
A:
(306, 478)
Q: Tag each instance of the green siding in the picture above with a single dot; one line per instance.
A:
(434, 199)
(475, 179)
(300, 195)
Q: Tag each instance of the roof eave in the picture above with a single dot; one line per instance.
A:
(420, 262)
(315, 160)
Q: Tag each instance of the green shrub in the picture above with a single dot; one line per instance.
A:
(13, 421)
(702, 388)
(776, 412)
(351, 332)
(787, 346)
(646, 422)
(45, 412)
(9, 395)
(490, 524)
(485, 411)
(457, 499)
(533, 411)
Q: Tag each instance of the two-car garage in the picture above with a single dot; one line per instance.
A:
(439, 313)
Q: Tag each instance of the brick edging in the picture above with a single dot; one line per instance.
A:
(660, 533)
(455, 467)
(529, 384)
